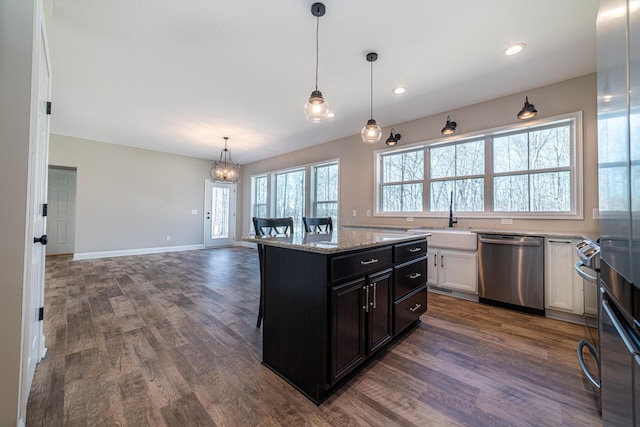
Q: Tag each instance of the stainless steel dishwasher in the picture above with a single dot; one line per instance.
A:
(511, 271)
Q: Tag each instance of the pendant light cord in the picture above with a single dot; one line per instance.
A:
(317, 48)
(372, 89)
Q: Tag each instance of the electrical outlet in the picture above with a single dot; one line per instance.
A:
(194, 211)
(168, 238)
(368, 212)
(410, 218)
(506, 221)
(596, 213)
(354, 213)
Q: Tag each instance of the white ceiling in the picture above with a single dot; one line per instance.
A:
(177, 76)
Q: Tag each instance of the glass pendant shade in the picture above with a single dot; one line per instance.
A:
(528, 111)
(316, 109)
(224, 170)
(371, 133)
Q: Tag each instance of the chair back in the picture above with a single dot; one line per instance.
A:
(273, 226)
(317, 225)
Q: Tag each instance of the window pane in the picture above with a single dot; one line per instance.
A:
(260, 211)
(219, 213)
(550, 192)
(443, 161)
(468, 195)
(511, 193)
(326, 182)
(260, 187)
(402, 198)
(470, 158)
(407, 166)
(441, 195)
(550, 148)
(289, 199)
(510, 153)
(328, 209)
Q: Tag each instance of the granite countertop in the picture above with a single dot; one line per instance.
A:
(548, 234)
(342, 240)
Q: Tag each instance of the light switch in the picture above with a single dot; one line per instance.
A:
(194, 211)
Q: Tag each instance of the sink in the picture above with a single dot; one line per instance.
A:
(463, 240)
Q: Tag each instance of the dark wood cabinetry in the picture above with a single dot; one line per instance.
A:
(361, 321)
(327, 315)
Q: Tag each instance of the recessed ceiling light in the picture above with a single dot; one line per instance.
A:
(514, 49)
(398, 90)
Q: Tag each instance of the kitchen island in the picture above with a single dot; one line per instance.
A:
(333, 302)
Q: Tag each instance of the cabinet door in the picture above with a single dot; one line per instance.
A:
(347, 328)
(379, 314)
(432, 267)
(458, 270)
(563, 286)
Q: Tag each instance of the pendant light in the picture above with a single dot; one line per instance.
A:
(371, 133)
(449, 128)
(224, 170)
(528, 111)
(316, 109)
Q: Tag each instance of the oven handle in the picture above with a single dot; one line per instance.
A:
(586, 276)
(584, 343)
(616, 324)
(509, 242)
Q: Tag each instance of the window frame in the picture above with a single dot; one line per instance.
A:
(575, 171)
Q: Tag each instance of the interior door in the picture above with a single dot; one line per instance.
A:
(33, 337)
(220, 214)
(62, 211)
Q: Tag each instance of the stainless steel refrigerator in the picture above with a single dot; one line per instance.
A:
(618, 59)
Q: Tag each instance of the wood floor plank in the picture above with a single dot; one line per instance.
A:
(170, 340)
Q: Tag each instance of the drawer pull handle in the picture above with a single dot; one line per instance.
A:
(414, 275)
(412, 250)
(371, 261)
(417, 306)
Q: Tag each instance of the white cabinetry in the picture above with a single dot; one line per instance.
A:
(565, 290)
(451, 269)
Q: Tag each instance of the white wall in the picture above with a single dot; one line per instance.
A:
(16, 49)
(129, 198)
(357, 160)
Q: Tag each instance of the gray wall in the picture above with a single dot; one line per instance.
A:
(357, 159)
(129, 198)
(16, 43)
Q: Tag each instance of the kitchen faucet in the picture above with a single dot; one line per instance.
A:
(451, 220)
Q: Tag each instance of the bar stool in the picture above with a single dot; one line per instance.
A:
(268, 227)
(317, 225)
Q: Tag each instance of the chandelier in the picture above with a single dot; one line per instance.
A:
(224, 170)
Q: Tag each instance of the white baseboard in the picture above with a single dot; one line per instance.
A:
(246, 244)
(129, 252)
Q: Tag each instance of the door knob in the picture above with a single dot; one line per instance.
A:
(42, 239)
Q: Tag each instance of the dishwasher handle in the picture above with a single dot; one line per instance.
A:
(510, 242)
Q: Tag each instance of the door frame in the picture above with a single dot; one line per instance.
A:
(32, 337)
(208, 185)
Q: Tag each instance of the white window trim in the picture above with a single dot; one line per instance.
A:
(577, 172)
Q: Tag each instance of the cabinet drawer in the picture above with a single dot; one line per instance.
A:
(360, 263)
(410, 276)
(408, 310)
(405, 251)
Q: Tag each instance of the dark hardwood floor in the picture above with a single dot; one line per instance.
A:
(170, 339)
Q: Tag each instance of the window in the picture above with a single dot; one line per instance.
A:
(325, 191)
(289, 196)
(289, 193)
(402, 176)
(457, 176)
(528, 170)
(259, 196)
